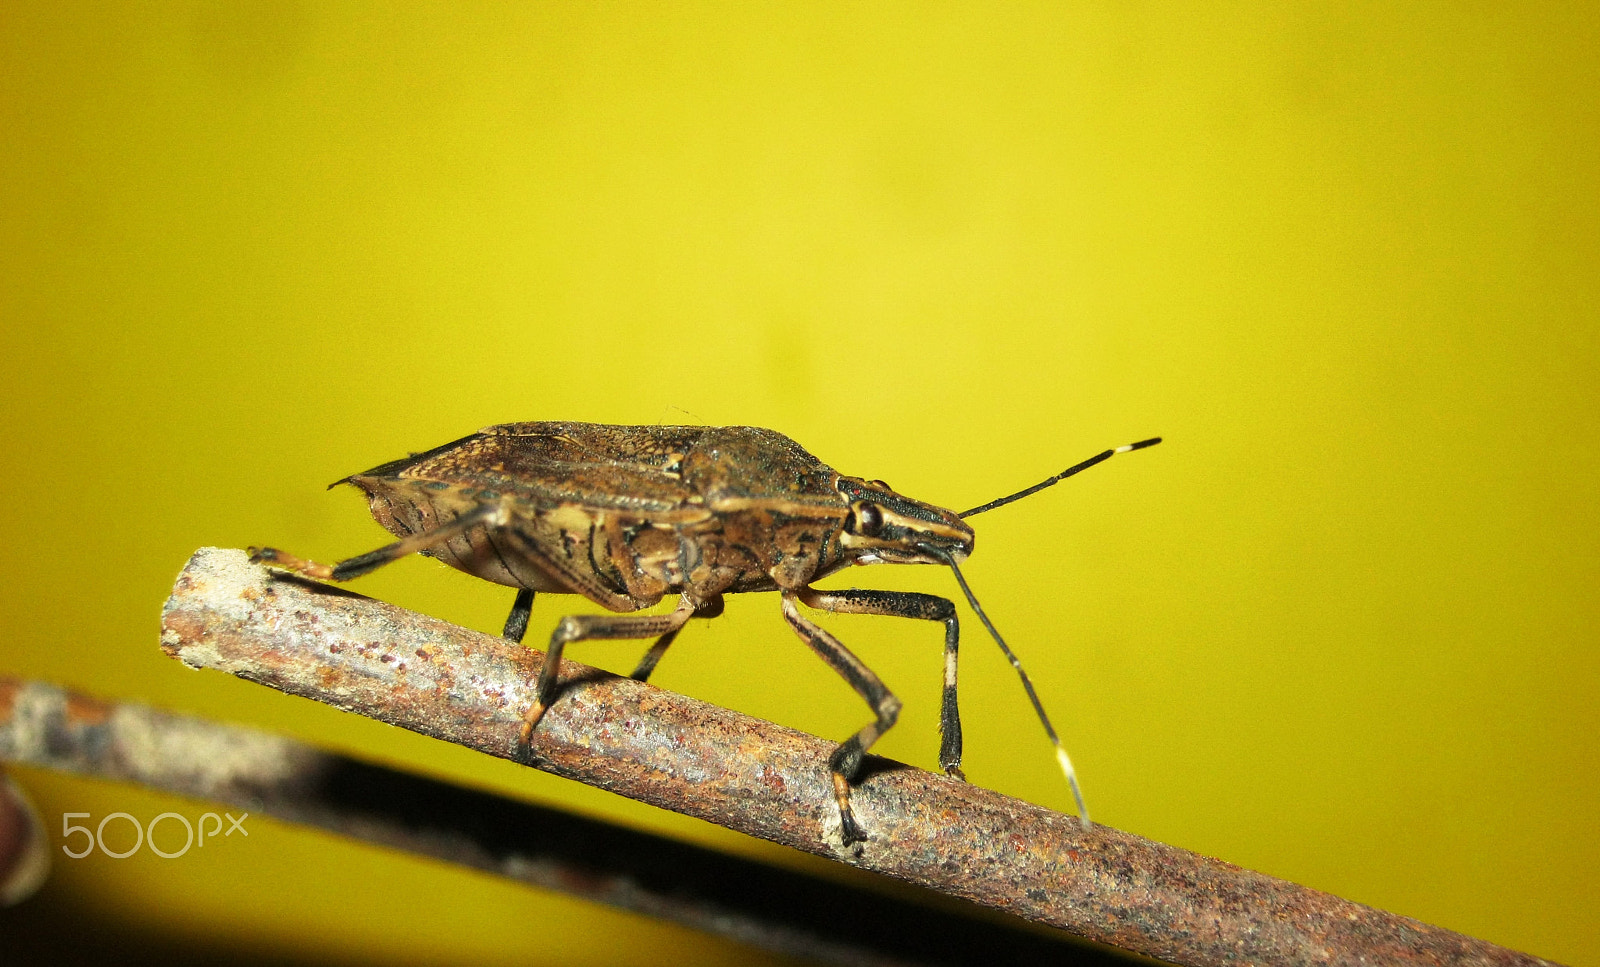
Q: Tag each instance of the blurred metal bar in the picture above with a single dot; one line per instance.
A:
(751, 902)
(648, 744)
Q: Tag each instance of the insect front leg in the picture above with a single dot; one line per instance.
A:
(580, 627)
(845, 763)
(911, 604)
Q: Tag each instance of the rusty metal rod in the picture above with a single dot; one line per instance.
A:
(768, 781)
(744, 900)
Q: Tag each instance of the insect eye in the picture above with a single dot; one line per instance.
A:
(880, 483)
(865, 519)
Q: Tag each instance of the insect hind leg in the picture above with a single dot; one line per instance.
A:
(487, 514)
(845, 763)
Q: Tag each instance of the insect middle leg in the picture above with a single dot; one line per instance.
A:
(641, 672)
(517, 620)
(845, 763)
(517, 626)
(911, 604)
(581, 627)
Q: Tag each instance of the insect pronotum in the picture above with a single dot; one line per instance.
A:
(625, 515)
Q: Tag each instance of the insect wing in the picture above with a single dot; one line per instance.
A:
(545, 465)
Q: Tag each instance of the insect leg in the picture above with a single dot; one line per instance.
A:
(580, 627)
(647, 664)
(489, 514)
(910, 604)
(517, 620)
(845, 762)
(565, 574)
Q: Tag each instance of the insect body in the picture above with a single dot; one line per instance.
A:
(626, 515)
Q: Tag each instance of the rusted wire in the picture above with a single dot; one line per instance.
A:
(768, 781)
(748, 901)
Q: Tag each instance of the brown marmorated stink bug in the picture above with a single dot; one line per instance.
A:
(625, 515)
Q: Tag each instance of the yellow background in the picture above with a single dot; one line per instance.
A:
(1341, 627)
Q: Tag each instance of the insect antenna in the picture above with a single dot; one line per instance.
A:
(1027, 684)
(1052, 481)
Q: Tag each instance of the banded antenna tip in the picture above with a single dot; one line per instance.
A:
(1138, 446)
(1051, 481)
(1072, 780)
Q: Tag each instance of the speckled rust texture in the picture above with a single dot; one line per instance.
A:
(648, 744)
